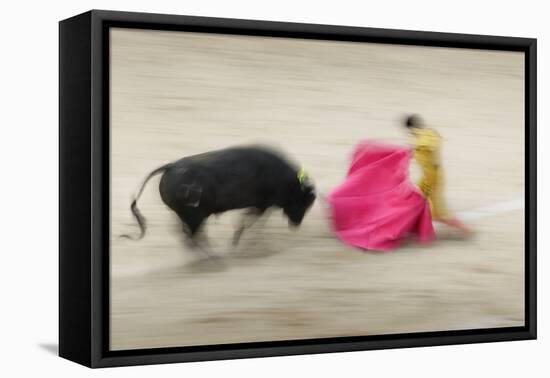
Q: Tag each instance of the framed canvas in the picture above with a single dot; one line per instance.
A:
(235, 188)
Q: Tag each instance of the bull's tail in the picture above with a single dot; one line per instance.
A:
(133, 207)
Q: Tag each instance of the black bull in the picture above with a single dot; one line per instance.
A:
(256, 178)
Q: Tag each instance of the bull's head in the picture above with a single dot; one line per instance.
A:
(300, 198)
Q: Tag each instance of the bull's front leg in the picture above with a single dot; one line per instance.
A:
(248, 219)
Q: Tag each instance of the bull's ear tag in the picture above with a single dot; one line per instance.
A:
(301, 176)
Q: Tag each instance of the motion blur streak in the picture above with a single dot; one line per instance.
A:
(494, 209)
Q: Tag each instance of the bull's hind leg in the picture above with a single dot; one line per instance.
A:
(193, 220)
(199, 242)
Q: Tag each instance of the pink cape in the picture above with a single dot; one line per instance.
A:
(377, 206)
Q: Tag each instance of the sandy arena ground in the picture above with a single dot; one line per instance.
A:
(176, 94)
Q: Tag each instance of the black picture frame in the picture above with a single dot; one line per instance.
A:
(84, 187)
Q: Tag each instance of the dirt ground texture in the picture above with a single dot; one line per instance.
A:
(176, 94)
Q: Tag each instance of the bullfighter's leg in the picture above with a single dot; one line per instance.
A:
(248, 219)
